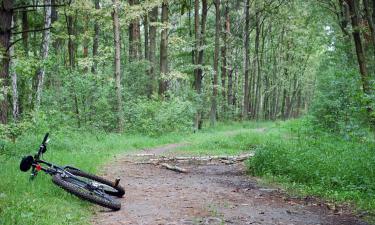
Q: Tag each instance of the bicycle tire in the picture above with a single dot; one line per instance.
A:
(120, 191)
(85, 193)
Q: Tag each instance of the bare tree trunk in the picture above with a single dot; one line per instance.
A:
(116, 34)
(43, 52)
(5, 35)
(146, 35)
(224, 50)
(245, 112)
(25, 27)
(152, 53)
(14, 81)
(216, 64)
(71, 46)
(164, 48)
(86, 43)
(134, 37)
(199, 41)
(95, 44)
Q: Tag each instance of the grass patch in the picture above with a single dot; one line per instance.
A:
(318, 163)
(40, 201)
(227, 139)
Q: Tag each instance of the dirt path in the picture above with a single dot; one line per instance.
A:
(209, 194)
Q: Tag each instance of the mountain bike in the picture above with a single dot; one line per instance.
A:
(87, 186)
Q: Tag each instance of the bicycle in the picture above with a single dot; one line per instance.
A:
(86, 186)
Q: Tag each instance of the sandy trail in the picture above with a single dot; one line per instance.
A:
(211, 193)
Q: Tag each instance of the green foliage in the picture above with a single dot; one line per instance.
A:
(318, 163)
(339, 101)
(156, 117)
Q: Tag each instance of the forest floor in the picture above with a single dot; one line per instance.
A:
(210, 193)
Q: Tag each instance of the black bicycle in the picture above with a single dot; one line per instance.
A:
(87, 186)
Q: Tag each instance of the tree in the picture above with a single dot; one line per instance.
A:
(164, 48)
(199, 42)
(44, 52)
(5, 35)
(153, 16)
(116, 34)
(246, 41)
(216, 64)
(134, 37)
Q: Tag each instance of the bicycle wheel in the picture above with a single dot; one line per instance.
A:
(108, 186)
(82, 190)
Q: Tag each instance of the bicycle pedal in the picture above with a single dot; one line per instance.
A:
(117, 181)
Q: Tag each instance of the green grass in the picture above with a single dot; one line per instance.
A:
(288, 153)
(226, 139)
(317, 163)
(40, 201)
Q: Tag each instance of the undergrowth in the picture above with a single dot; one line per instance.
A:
(318, 163)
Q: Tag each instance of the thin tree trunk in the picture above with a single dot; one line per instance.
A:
(86, 43)
(152, 53)
(164, 48)
(44, 52)
(95, 44)
(15, 109)
(199, 41)
(245, 112)
(134, 37)
(216, 65)
(25, 27)
(146, 35)
(116, 34)
(224, 50)
(5, 36)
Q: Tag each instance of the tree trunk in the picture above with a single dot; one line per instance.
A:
(146, 35)
(245, 112)
(353, 4)
(224, 50)
(116, 34)
(199, 41)
(134, 37)
(71, 47)
(164, 48)
(216, 64)
(5, 35)
(15, 97)
(152, 53)
(43, 52)
(95, 44)
(25, 27)
(86, 43)
(370, 22)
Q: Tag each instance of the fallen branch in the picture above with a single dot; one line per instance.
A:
(174, 168)
(224, 159)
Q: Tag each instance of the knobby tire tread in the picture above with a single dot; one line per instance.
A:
(73, 189)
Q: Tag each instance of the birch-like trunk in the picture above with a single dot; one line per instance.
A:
(116, 32)
(44, 52)
(15, 108)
